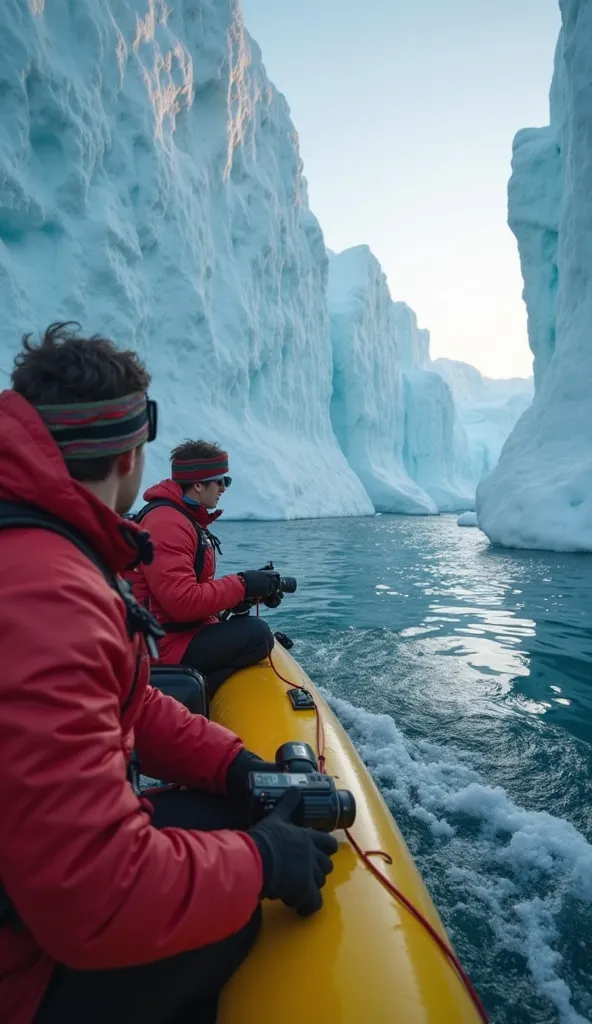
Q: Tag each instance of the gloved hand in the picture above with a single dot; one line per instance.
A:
(296, 860)
(259, 583)
(237, 777)
(274, 600)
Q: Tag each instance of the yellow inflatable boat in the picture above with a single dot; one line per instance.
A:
(364, 958)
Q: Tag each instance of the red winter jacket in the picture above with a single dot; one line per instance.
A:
(168, 586)
(94, 883)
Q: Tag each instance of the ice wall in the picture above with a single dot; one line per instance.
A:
(534, 201)
(540, 494)
(394, 418)
(436, 452)
(487, 409)
(368, 400)
(413, 341)
(151, 187)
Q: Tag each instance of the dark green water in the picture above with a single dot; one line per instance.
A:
(464, 676)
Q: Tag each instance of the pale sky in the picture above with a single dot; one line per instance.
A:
(406, 111)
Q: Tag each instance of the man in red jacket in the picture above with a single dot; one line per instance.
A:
(178, 586)
(112, 908)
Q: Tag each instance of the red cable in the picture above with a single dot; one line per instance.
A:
(422, 920)
(388, 885)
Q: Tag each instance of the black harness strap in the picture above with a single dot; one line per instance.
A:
(201, 531)
(203, 536)
(16, 515)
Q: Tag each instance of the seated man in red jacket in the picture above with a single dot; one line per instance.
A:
(113, 908)
(178, 585)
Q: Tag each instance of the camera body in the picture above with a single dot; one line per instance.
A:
(322, 806)
(284, 585)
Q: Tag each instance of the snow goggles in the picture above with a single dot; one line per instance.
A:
(151, 418)
(226, 480)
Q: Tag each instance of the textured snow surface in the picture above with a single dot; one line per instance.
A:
(151, 187)
(540, 494)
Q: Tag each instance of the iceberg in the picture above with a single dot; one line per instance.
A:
(488, 410)
(467, 519)
(436, 450)
(151, 187)
(394, 418)
(368, 397)
(540, 493)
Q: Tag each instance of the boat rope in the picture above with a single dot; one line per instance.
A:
(366, 855)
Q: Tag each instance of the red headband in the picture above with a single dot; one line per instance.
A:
(191, 471)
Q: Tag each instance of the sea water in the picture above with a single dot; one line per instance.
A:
(463, 674)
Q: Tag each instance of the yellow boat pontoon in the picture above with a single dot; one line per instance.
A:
(365, 958)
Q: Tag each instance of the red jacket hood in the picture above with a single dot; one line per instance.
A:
(172, 491)
(32, 470)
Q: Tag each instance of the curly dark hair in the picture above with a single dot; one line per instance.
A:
(66, 368)
(188, 450)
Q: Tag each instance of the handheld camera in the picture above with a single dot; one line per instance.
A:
(322, 807)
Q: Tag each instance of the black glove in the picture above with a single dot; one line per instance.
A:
(296, 860)
(259, 583)
(237, 777)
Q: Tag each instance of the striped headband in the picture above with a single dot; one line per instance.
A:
(190, 471)
(90, 430)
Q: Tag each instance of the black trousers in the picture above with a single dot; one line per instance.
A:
(222, 648)
(179, 990)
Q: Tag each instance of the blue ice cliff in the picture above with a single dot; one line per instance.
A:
(151, 187)
(540, 493)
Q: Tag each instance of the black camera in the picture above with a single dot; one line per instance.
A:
(322, 807)
(284, 585)
(287, 584)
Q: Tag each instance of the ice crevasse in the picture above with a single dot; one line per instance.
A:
(540, 493)
(151, 187)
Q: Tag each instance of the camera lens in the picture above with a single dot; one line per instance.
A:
(288, 584)
(346, 803)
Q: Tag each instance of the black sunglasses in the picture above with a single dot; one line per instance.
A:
(226, 480)
(152, 417)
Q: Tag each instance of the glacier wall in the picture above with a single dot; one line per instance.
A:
(436, 450)
(534, 201)
(151, 187)
(487, 409)
(395, 418)
(368, 401)
(540, 493)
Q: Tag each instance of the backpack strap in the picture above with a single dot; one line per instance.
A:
(17, 515)
(200, 554)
